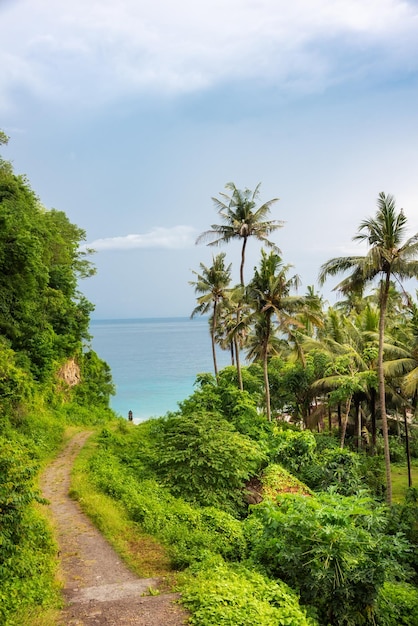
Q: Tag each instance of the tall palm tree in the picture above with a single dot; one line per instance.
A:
(212, 283)
(269, 295)
(389, 256)
(241, 219)
(351, 373)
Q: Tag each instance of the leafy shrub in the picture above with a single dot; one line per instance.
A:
(294, 449)
(26, 551)
(218, 594)
(190, 533)
(16, 384)
(223, 398)
(325, 441)
(17, 473)
(42, 432)
(397, 449)
(397, 605)
(331, 548)
(205, 460)
(404, 518)
(28, 578)
(86, 415)
(373, 473)
(96, 385)
(413, 442)
(337, 468)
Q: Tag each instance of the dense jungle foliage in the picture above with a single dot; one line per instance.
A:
(290, 530)
(44, 351)
(268, 488)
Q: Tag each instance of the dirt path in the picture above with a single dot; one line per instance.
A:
(98, 588)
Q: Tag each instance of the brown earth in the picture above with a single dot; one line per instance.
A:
(98, 588)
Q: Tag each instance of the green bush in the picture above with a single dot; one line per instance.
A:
(16, 385)
(332, 548)
(17, 474)
(27, 552)
(404, 518)
(96, 385)
(318, 461)
(325, 441)
(205, 460)
(224, 398)
(28, 580)
(413, 442)
(337, 468)
(397, 449)
(218, 594)
(190, 533)
(78, 415)
(43, 433)
(373, 474)
(397, 605)
(294, 449)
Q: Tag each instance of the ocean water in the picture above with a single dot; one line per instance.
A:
(154, 362)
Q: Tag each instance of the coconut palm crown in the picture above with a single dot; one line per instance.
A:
(241, 219)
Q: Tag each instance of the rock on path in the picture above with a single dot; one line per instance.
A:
(98, 588)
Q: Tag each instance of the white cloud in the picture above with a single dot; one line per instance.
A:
(102, 49)
(178, 237)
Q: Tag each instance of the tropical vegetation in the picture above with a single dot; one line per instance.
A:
(268, 491)
(49, 378)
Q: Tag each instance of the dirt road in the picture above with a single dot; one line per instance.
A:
(98, 587)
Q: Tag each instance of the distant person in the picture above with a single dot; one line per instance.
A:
(130, 416)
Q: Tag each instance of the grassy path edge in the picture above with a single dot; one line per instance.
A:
(141, 552)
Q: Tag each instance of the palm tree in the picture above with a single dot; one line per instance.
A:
(350, 374)
(241, 219)
(312, 313)
(269, 295)
(212, 283)
(388, 256)
(237, 326)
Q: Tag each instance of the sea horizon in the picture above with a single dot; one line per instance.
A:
(149, 318)
(154, 360)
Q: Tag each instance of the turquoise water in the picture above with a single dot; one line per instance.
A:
(154, 362)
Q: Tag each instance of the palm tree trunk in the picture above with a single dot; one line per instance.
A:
(231, 350)
(345, 422)
(373, 418)
(340, 423)
(236, 344)
(407, 449)
(239, 374)
(214, 322)
(382, 400)
(265, 371)
(267, 387)
(329, 417)
(241, 269)
(358, 423)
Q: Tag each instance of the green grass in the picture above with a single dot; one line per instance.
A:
(400, 479)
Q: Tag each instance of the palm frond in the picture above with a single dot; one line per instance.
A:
(398, 367)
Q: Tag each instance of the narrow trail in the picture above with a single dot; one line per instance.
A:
(98, 588)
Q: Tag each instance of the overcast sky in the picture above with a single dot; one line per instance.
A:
(130, 115)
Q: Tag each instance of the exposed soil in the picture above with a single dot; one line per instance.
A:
(98, 588)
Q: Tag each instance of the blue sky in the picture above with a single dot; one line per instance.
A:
(130, 115)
